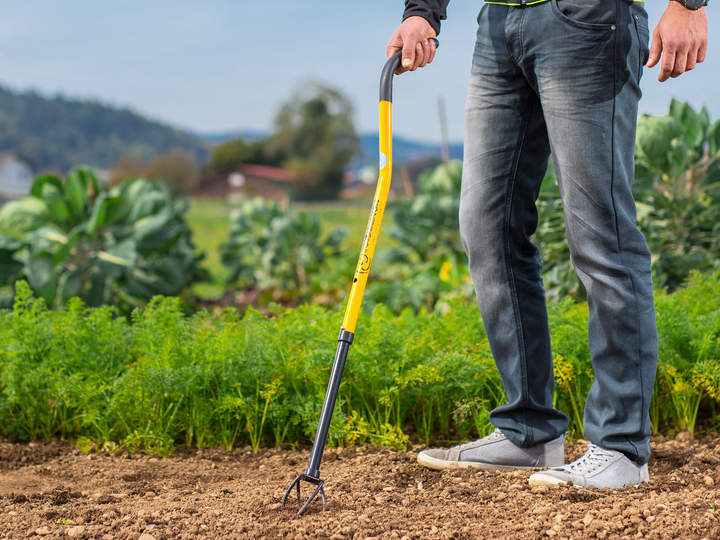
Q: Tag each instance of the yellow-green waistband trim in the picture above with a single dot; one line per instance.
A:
(532, 2)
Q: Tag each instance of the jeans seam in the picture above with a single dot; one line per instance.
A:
(617, 237)
(511, 277)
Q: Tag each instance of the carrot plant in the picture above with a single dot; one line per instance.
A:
(164, 379)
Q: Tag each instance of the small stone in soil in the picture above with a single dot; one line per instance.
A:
(75, 532)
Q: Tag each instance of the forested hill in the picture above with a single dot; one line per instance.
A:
(59, 133)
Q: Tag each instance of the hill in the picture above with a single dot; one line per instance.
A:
(59, 133)
(404, 150)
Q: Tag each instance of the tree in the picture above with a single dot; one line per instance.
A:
(237, 151)
(177, 169)
(315, 135)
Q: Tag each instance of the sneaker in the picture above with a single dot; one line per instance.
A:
(495, 452)
(598, 467)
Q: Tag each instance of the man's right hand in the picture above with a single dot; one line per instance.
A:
(413, 37)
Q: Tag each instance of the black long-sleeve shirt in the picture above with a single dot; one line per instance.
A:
(434, 11)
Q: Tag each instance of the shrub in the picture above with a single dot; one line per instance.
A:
(276, 250)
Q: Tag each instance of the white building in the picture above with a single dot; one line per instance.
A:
(16, 176)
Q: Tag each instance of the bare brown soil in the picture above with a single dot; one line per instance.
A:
(53, 491)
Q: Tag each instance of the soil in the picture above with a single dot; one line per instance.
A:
(54, 491)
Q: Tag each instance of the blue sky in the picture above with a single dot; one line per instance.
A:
(228, 64)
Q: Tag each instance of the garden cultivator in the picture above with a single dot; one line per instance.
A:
(347, 331)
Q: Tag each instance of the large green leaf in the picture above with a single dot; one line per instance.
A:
(714, 138)
(55, 200)
(162, 277)
(41, 276)
(119, 259)
(70, 285)
(39, 183)
(97, 290)
(64, 251)
(23, 216)
(150, 225)
(76, 194)
(10, 267)
(98, 216)
(654, 142)
(694, 125)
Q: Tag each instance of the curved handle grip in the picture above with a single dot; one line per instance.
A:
(386, 79)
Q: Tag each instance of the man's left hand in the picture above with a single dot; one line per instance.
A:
(681, 38)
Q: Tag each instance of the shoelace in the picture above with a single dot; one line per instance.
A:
(593, 458)
(494, 435)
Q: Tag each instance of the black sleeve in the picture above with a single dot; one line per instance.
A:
(433, 11)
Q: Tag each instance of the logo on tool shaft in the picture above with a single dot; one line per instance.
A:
(365, 265)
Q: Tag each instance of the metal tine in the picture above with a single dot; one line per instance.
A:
(314, 494)
(296, 484)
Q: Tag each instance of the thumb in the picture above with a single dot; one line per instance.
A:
(408, 54)
(656, 49)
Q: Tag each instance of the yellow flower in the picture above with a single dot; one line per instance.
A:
(445, 271)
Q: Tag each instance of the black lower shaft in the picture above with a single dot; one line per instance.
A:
(344, 341)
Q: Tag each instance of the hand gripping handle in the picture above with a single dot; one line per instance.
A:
(386, 79)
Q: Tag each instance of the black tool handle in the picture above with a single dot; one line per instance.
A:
(386, 79)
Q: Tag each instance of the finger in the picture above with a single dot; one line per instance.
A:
(408, 55)
(666, 65)
(691, 60)
(418, 56)
(656, 49)
(426, 53)
(433, 50)
(680, 64)
(702, 51)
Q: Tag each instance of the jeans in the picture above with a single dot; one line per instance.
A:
(545, 84)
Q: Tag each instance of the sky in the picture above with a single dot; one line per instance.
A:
(227, 65)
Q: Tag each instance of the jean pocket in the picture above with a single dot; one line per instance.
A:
(643, 36)
(587, 19)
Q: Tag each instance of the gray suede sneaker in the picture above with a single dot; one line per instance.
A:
(598, 467)
(495, 452)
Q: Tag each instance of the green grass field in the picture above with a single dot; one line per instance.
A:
(209, 219)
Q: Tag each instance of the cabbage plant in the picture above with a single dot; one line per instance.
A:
(74, 237)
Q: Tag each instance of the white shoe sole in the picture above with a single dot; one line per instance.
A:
(540, 479)
(442, 464)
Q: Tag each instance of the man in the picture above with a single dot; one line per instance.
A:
(560, 78)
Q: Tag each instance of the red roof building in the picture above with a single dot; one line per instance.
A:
(247, 181)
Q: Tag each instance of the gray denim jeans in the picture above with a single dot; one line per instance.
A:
(545, 84)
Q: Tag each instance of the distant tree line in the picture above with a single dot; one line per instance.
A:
(59, 133)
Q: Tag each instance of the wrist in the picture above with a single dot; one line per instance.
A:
(693, 5)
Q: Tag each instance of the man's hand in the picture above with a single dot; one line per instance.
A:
(413, 37)
(681, 37)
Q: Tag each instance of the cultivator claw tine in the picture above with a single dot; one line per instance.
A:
(296, 484)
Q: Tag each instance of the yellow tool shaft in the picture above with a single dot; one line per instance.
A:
(376, 214)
